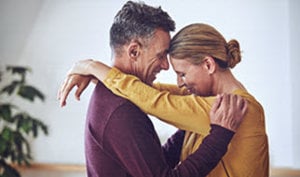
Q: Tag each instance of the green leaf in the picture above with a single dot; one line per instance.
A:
(6, 146)
(9, 89)
(22, 149)
(35, 129)
(5, 112)
(42, 126)
(14, 146)
(22, 125)
(29, 92)
(45, 129)
(19, 118)
(3, 145)
(18, 69)
(26, 125)
(1, 74)
(7, 134)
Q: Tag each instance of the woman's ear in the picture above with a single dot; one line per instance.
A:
(209, 64)
(133, 50)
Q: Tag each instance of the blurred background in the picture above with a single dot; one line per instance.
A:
(50, 35)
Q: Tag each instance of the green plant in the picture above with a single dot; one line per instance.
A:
(17, 125)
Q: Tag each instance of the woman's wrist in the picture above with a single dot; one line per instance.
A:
(98, 70)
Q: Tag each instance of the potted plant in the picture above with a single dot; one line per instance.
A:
(16, 124)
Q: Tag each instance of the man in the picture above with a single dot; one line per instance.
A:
(120, 139)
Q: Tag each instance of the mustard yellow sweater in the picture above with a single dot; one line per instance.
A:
(248, 153)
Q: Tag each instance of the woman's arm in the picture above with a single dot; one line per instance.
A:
(185, 112)
(174, 89)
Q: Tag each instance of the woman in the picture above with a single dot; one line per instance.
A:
(202, 59)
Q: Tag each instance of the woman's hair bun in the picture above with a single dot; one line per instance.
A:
(233, 53)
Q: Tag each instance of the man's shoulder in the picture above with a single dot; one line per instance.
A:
(103, 92)
(104, 101)
(107, 112)
(103, 97)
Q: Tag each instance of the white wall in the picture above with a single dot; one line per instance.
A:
(294, 24)
(50, 35)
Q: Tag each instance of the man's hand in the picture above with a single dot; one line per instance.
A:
(70, 82)
(228, 111)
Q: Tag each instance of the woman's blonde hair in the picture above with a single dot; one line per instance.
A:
(196, 41)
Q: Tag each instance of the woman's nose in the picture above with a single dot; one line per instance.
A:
(180, 81)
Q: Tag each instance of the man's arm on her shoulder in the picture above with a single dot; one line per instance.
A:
(141, 153)
(228, 111)
(227, 114)
(210, 152)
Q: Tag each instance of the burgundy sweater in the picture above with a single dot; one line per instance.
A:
(120, 141)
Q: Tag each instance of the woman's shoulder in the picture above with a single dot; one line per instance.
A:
(250, 98)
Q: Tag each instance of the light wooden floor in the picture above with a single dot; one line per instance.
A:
(43, 173)
(53, 170)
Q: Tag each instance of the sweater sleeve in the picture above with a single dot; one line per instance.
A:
(187, 112)
(172, 148)
(211, 151)
(173, 89)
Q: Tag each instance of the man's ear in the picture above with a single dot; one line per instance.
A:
(133, 50)
(209, 64)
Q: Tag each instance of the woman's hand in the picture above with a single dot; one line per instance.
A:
(80, 75)
(70, 82)
(228, 111)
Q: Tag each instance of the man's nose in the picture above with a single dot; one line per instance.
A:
(165, 64)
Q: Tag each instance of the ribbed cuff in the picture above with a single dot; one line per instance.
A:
(226, 133)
